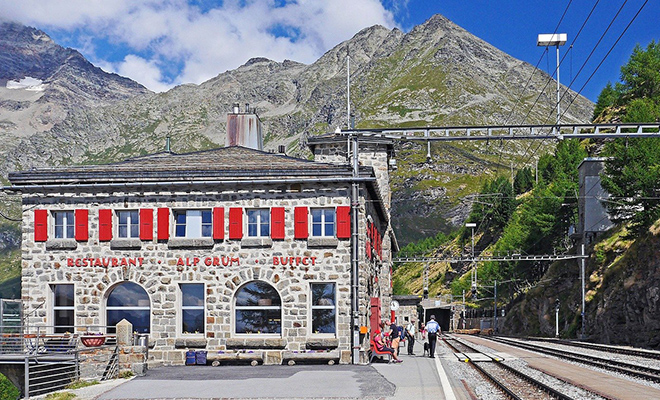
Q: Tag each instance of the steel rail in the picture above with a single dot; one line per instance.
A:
(639, 371)
(547, 389)
(650, 354)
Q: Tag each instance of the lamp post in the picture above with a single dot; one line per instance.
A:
(553, 39)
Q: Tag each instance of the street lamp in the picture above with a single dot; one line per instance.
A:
(474, 268)
(553, 39)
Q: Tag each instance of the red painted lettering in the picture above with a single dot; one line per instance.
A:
(195, 260)
(180, 262)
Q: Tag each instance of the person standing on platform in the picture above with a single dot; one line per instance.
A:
(432, 329)
(410, 334)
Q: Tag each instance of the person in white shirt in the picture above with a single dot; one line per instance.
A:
(433, 329)
(410, 335)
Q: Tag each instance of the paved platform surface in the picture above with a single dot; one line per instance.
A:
(418, 378)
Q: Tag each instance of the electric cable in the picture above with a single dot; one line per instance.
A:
(606, 55)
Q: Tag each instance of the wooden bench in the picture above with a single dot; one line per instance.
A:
(374, 352)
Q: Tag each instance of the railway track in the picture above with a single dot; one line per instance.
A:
(514, 383)
(630, 369)
(649, 354)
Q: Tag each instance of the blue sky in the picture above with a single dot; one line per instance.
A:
(163, 43)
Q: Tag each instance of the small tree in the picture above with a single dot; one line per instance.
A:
(524, 180)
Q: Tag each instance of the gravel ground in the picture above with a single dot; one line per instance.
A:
(465, 373)
(566, 388)
(612, 356)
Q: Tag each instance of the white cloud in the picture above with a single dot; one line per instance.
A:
(201, 44)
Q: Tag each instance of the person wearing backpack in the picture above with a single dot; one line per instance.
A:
(433, 329)
(410, 334)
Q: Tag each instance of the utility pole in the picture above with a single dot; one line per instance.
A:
(557, 318)
(348, 88)
(495, 306)
(582, 279)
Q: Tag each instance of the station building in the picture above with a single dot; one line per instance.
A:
(228, 250)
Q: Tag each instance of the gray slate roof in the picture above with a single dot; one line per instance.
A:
(227, 163)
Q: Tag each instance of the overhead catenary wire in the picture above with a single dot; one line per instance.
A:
(593, 50)
(608, 53)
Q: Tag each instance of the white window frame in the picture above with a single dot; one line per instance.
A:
(322, 307)
(184, 307)
(237, 308)
(260, 214)
(56, 308)
(323, 222)
(194, 224)
(130, 224)
(68, 221)
(128, 308)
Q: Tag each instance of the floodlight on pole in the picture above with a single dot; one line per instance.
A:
(553, 39)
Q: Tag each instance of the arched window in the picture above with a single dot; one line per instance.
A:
(129, 301)
(258, 309)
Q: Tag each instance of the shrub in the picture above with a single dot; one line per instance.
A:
(7, 389)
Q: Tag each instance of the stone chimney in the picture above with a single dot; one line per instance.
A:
(244, 128)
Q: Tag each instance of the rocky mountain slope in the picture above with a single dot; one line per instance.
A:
(43, 85)
(622, 295)
(437, 74)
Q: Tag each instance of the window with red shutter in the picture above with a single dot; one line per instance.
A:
(82, 227)
(235, 223)
(146, 224)
(163, 219)
(277, 223)
(218, 223)
(343, 222)
(105, 225)
(301, 223)
(40, 225)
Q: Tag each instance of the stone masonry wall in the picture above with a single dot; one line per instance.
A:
(163, 267)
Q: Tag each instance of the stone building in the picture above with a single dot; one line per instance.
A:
(232, 250)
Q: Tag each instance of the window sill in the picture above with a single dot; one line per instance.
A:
(257, 242)
(190, 342)
(183, 243)
(268, 341)
(322, 242)
(321, 343)
(126, 244)
(61, 244)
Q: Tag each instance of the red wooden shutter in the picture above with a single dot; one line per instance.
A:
(343, 222)
(277, 223)
(105, 225)
(218, 223)
(40, 225)
(146, 224)
(301, 223)
(82, 230)
(235, 223)
(163, 219)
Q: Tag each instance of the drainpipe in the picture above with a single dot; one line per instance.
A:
(355, 307)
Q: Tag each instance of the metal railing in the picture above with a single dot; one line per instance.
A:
(52, 361)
